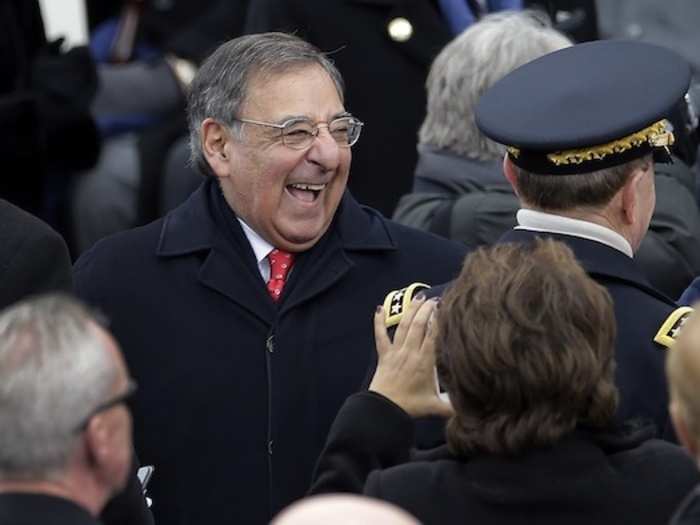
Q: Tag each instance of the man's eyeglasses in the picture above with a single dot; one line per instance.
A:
(124, 397)
(299, 133)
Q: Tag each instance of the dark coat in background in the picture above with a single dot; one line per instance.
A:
(472, 202)
(385, 77)
(236, 393)
(587, 477)
(34, 258)
(44, 111)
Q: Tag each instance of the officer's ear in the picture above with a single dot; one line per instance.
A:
(216, 142)
(631, 193)
(511, 174)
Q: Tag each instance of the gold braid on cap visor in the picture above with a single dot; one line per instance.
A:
(657, 136)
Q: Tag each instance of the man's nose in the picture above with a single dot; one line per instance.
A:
(324, 151)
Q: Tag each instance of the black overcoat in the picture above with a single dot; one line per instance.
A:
(236, 393)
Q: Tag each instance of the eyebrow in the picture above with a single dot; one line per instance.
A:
(287, 118)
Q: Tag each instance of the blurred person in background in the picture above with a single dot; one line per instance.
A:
(683, 369)
(147, 53)
(48, 133)
(65, 447)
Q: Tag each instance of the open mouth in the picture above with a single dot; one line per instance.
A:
(305, 192)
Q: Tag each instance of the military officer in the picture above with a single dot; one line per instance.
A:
(583, 127)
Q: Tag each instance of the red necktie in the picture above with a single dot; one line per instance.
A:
(280, 264)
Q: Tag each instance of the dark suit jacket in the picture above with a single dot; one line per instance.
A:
(236, 394)
(34, 258)
(587, 477)
(36, 509)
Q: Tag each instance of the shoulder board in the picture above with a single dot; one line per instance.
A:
(397, 301)
(672, 326)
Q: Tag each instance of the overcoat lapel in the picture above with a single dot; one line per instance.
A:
(229, 267)
(191, 228)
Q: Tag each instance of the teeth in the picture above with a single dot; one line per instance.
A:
(308, 187)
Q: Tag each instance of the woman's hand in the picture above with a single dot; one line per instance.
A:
(406, 367)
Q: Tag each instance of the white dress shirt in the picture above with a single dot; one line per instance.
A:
(261, 249)
(548, 222)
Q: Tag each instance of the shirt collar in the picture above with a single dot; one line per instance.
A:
(548, 222)
(261, 248)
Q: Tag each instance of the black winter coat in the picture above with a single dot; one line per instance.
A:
(236, 393)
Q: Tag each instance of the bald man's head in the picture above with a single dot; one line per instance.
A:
(343, 509)
(683, 371)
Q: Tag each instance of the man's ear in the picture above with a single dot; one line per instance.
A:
(629, 194)
(97, 442)
(511, 174)
(215, 146)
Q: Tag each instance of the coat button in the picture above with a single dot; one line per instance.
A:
(270, 344)
(400, 29)
(269, 447)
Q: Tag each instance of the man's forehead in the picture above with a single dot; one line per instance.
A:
(285, 86)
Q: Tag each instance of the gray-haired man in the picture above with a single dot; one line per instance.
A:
(65, 445)
(244, 313)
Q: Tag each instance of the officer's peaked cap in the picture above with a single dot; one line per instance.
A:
(586, 107)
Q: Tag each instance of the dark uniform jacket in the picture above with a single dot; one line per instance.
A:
(236, 394)
(472, 202)
(587, 477)
(40, 509)
(640, 312)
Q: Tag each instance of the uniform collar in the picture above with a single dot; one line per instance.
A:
(539, 221)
